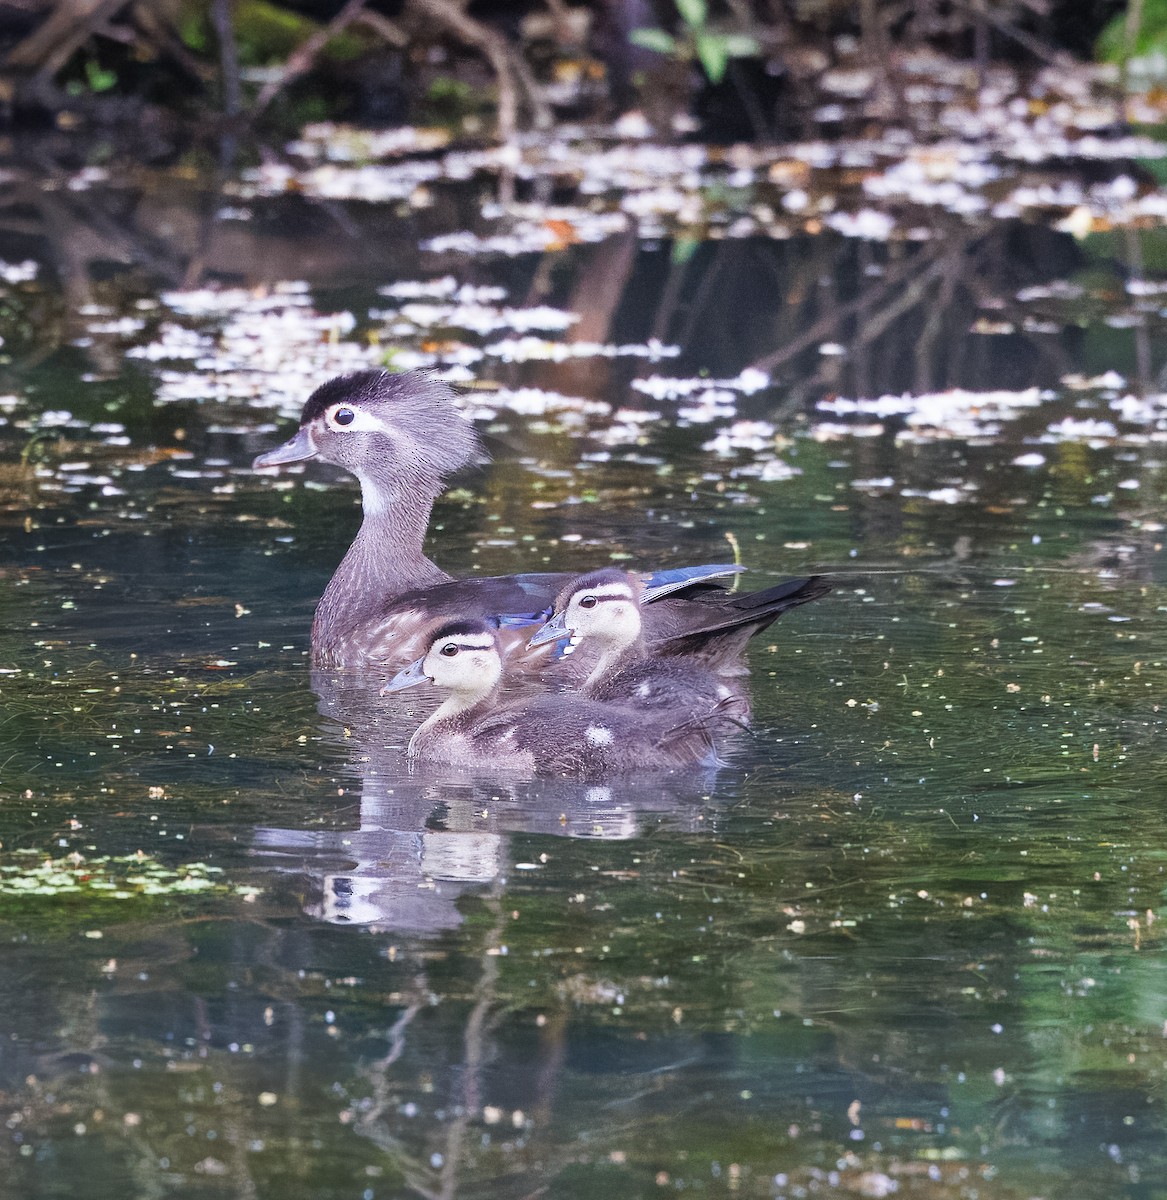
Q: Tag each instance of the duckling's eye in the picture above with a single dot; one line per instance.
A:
(588, 602)
(448, 650)
(344, 416)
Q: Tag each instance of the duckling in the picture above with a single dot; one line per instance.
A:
(559, 734)
(402, 436)
(602, 610)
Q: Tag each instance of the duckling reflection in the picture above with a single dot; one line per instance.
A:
(559, 734)
(416, 843)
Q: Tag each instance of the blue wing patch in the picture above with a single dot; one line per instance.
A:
(664, 583)
(523, 620)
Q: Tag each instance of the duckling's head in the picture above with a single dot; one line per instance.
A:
(601, 608)
(463, 658)
(382, 426)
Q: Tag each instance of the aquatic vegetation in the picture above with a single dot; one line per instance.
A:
(30, 874)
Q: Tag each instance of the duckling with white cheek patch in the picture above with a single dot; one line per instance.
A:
(601, 611)
(548, 735)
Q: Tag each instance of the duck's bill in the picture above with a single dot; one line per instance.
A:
(551, 632)
(295, 449)
(409, 677)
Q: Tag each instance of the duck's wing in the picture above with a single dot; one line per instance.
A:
(715, 627)
(521, 595)
(659, 584)
(685, 602)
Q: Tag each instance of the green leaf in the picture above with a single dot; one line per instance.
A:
(654, 39)
(1150, 36)
(714, 56)
(693, 12)
(99, 79)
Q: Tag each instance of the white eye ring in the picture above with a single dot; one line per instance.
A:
(351, 418)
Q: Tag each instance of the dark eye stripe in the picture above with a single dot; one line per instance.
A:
(466, 645)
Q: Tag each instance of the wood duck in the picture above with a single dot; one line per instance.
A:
(402, 436)
(551, 734)
(601, 610)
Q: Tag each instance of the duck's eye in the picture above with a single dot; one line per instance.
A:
(587, 602)
(344, 416)
(448, 650)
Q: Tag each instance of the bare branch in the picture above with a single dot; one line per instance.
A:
(303, 58)
(512, 72)
(70, 25)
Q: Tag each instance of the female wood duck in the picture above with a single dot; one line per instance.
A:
(601, 610)
(402, 436)
(552, 734)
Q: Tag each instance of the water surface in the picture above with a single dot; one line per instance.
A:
(905, 942)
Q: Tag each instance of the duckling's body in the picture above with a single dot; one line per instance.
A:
(600, 612)
(401, 436)
(558, 734)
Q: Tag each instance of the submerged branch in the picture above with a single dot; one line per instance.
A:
(862, 303)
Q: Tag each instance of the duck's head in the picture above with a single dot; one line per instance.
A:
(463, 658)
(601, 608)
(381, 426)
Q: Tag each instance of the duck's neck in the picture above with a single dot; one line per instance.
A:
(385, 559)
(455, 715)
(613, 655)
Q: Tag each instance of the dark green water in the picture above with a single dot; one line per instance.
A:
(907, 942)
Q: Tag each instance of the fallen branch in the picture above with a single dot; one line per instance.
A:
(1038, 48)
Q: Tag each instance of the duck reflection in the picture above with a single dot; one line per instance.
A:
(426, 834)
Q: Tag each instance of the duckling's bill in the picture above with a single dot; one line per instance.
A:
(552, 631)
(408, 677)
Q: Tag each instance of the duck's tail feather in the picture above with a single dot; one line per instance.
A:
(730, 623)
